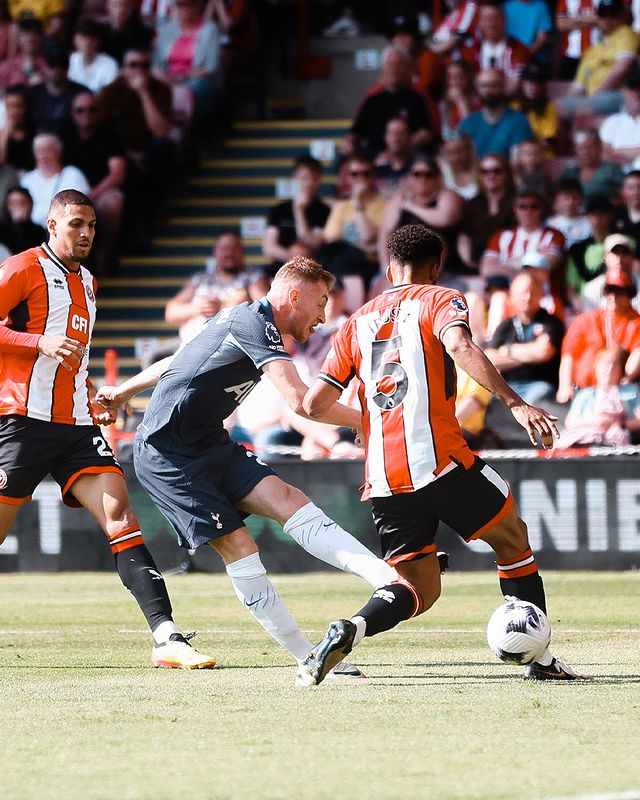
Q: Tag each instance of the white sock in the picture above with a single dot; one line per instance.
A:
(361, 628)
(260, 597)
(319, 535)
(164, 630)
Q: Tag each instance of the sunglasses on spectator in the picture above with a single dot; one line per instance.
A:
(528, 206)
(85, 110)
(360, 173)
(491, 170)
(138, 64)
(423, 173)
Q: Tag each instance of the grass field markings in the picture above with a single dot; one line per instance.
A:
(631, 794)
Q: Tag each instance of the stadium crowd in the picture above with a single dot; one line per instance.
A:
(533, 183)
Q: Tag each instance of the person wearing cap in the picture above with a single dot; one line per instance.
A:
(620, 133)
(613, 326)
(525, 348)
(604, 67)
(405, 32)
(585, 259)
(618, 257)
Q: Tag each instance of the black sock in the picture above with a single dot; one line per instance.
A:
(388, 606)
(139, 573)
(527, 586)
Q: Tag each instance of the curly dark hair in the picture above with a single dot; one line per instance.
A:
(414, 245)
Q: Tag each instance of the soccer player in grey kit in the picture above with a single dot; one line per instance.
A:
(204, 483)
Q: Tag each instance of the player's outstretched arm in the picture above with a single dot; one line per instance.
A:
(286, 379)
(473, 361)
(115, 396)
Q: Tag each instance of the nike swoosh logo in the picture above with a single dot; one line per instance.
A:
(327, 524)
(248, 605)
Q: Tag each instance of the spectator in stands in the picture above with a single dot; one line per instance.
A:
(239, 34)
(18, 232)
(225, 282)
(393, 163)
(99, 153)
(50, 176)
(16, 138)
(529, 172)
(393, 96)
(424, 201)
(8, 33)
(495, 128)
(50, 13)
(459, 97)
(507, 246)
(604, 414)
(620, 133)
(530, 23)
(458, 165)
(8, 179)
(541, 113)
(138, 106)
(577, 22)
(585, 259)
(618, 257)
(616, 326)
(124, 30)
(493, 49)
(598, 177)
(453, 32)
(604, 67)
(405, 33)
(351, 233)
(489, 211)
(301, 219)
(187, 52)
(627, 218)
(87, 64)
(568, 218)
(28, 66)
(525, 348)
(50, 101)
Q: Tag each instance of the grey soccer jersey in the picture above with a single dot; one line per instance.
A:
(211, 376)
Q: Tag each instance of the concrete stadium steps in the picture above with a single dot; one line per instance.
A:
(240, 183)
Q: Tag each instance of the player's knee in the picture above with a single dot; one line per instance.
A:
(121, 517)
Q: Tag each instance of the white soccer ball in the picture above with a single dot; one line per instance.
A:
(518, 632)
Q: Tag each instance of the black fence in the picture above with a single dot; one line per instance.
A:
(582, 513)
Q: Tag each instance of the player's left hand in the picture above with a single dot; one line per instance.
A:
(537, 421)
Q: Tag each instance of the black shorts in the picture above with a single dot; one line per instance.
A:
(197, 494)
(31, 449)
(470, 501)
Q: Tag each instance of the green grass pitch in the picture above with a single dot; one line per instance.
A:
(84, 715)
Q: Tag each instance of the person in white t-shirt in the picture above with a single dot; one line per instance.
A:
(50, 176)
(620, 133)
(87, 65)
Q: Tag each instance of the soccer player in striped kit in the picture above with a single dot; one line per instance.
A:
(401, 346)
(48, 419)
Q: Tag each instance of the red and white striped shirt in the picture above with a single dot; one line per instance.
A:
(512, 243)
(40, 295)
(460, 20)
(509, 56)
(575, 43)
(406, 385)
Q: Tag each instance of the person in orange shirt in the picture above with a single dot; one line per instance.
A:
(614, 326)
(401, 347)
(48, 418)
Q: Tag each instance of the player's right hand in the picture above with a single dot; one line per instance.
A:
(109, 397)
(68, 352)
(537, 421)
